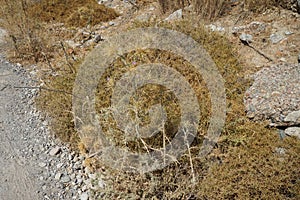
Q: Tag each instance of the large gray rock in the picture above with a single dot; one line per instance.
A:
(293, 117)
(275, 95)
(293, 131)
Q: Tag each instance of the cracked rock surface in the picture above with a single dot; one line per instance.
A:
(275, 96)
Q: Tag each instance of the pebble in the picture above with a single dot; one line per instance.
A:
(79, 180)
(84, 196)
(254, 26)
(276, 37)
(246, 38)
(98, 38)
(57, 176)
(42, 164)
(175, 15)
(280, 150)
(214, 28)
(55, 151)
(92, 176)
(65, 179)
(101, 184)
(59, 165)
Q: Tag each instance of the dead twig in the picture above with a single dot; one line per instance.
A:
(67, 57)
(257, 51)
(49, 63)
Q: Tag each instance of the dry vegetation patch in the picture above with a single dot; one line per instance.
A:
(245, 164)
(36, 28)
(76, 13)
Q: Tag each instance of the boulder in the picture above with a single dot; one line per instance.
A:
(275, 95)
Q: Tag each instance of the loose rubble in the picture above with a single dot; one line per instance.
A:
(57, 171)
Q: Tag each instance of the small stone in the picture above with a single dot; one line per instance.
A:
(293, 131)
(276, 37)
(299, 58)
(246, 38)
(63, 155)
(98, 38)
(101, 184)
(175, 15)
(282, 59)
(42, 164)
(72, 44)
(92, 176)
(59, 165)
(79, 181)
(84, 196)
(73, 176)
(57, 176)
(111, 23)
(65, 179)
(257, 26)
(293, 117)
(214, 28)
(151, 8)
(288, 33)
(81, 157)
(84, 188)
(280, 150)
(77, 166)
(55, 151)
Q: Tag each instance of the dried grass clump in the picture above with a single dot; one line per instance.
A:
(57, 106)
(148, 96)
(259, 6)
(77, 13)
(210, 9)
(169, 5)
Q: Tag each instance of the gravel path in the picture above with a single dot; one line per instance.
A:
(16, 171)
(33, 165)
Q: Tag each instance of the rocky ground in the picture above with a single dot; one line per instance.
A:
(33, 165)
